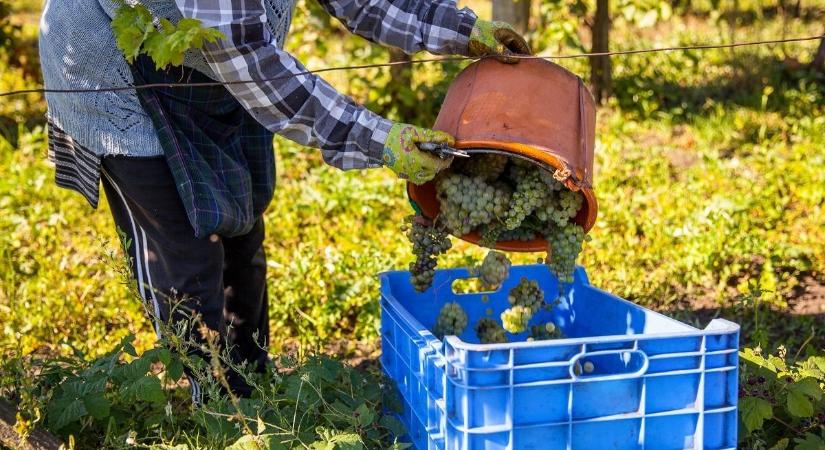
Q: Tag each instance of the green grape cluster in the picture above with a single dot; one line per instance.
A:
(527, 293)
(490, 332)
(529, 194)
(494, 269)
(519, 234)
(428, 242)
(451, 321)
(467, 202)
(515, 319)
(564, 245)
(487, 166)
(559, 207)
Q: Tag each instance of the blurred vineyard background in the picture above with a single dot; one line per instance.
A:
(710, 177)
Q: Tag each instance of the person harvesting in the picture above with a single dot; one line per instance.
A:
(188, 171)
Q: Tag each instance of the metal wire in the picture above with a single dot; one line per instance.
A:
(398, 63)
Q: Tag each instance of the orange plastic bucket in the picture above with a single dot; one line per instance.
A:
(534, 109)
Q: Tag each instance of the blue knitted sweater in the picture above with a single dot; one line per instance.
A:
(78, 51)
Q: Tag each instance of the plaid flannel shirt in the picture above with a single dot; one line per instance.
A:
(305, 108)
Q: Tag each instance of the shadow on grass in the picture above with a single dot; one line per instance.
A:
(801, 334)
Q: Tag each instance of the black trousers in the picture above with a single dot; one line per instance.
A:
(221, 279)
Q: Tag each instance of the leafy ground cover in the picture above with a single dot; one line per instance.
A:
(711, 184)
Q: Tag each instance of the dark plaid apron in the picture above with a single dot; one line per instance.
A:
(221, 158)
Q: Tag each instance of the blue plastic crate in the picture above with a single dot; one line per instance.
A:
(656, 383)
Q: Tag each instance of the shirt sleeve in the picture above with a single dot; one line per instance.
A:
(437, 26)
(301, 107)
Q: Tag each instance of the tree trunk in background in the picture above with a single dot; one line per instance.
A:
(401, 81)
(600, 73)
(819, 59)
(514, 12)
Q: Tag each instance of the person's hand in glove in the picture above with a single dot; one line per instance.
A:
(402, 155)
(497, 39)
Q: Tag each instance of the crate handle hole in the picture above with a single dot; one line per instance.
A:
(472, 285)
(609, 364)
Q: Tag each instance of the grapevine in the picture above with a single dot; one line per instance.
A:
(452, 320)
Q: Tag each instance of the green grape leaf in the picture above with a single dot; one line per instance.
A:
(811, 442)
(754, 411)
(131, 27)
(191, 34)
(97, 406)
(807, 386)
(799, 405)
(157, 47)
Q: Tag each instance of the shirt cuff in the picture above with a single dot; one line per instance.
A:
(378, 139)
(466, 22)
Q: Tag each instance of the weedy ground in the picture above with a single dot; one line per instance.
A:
(710, 176)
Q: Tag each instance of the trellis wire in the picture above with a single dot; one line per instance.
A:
(397, 63)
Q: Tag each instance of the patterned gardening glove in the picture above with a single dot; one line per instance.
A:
(497, 39)
(402, 155)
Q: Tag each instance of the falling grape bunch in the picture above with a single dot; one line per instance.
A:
(494, 269)
(452, 320)
(502, 199)
(428, 242)
(490, 332)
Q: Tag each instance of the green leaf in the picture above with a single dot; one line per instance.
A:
(809, 387)
(97, 406)
(162, 355)
(754, 411)
(131, 26)
(364, 415)
(799, 405)
(811, 442)
(61, 416)
(134, 370)
(751, 357)
(147, 388)
(391, 423)
(175, 369)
